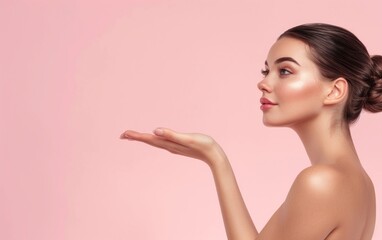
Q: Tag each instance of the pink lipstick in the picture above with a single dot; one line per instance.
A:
(266, 104)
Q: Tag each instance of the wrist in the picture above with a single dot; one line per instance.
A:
(218, 163)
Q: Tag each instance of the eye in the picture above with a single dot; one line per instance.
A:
(265, 72)
(284, 71)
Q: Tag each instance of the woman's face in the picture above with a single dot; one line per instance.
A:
(293, 88)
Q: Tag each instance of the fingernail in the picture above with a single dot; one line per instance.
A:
(158, 131)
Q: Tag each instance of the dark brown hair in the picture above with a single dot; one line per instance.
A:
(339, 53)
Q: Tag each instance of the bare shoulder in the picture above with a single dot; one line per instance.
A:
(312, 207)
(318, 190)
(324, 202)
(321, 181)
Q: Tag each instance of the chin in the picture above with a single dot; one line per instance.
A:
(269, 123)
(280, 122)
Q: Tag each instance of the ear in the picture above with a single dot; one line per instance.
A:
(337, 91)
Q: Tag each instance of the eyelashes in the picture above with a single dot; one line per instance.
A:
(264, 72)
(282, 72)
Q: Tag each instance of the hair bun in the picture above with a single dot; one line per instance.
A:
(373, 102)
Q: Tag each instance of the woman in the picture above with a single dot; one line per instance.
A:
(317, 79)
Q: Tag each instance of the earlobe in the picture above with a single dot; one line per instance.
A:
(337, 91)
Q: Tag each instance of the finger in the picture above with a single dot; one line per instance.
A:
(184, 139)
(190, 140)
(133, 135)
(129, 134)
(156, 141)
(170, 146)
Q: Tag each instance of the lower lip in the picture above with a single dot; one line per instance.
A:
(265, 107)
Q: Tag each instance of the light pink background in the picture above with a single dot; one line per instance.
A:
(75, 74)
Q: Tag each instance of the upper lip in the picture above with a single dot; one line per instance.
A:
(264, 100)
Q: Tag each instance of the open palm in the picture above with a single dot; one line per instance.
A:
(194, 145)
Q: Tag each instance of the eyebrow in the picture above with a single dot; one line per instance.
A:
(283, 59)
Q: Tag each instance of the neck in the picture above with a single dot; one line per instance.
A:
(325, 142)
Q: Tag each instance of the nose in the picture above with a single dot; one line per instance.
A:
(263, 86)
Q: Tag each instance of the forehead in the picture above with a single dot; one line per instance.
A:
(289, 47)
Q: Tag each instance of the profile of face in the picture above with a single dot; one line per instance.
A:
(293, 90)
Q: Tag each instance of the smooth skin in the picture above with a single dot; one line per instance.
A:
(334, 198)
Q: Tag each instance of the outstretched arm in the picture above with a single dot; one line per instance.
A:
(311, 210)
(237, 221)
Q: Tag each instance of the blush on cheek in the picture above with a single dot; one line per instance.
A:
(300, 89)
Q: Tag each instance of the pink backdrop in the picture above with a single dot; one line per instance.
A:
(75, 74)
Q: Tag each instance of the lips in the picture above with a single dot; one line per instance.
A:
(266, 104)
(266, 101)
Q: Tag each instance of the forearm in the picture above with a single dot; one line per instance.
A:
(236, 218)
(237, 221)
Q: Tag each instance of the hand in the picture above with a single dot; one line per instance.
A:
(194, 145)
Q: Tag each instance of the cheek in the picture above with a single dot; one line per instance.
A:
(297, 90)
